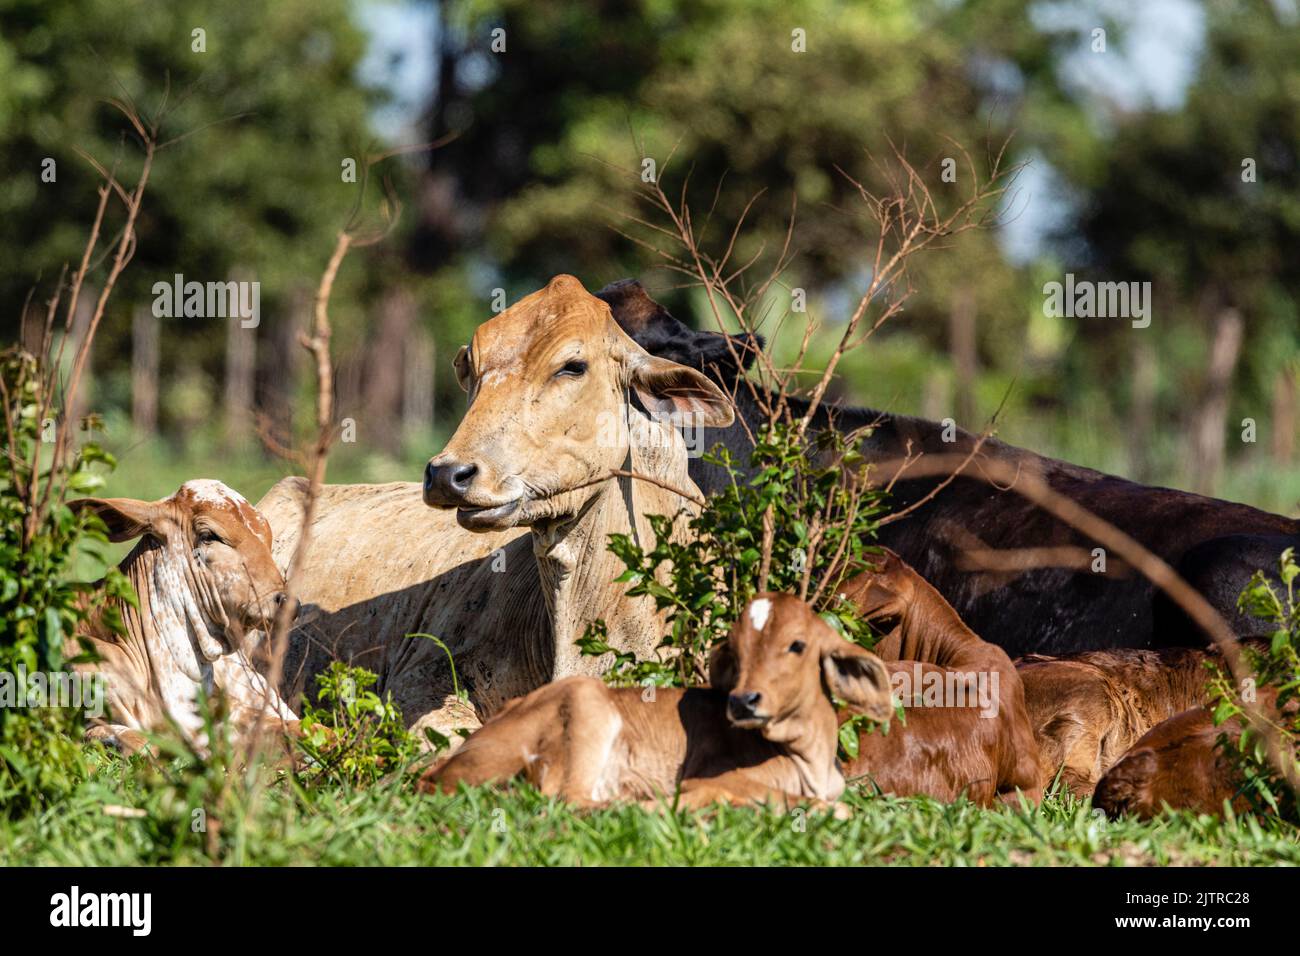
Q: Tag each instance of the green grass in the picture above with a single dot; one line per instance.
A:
(391, 825)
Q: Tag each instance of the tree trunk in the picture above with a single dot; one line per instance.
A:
(384, 382)
(144, 371)
(241, 369)
(1284, 415)
(280, 377)
(961, 342)
(1142, 409)
(1209, 430)
(418, 385)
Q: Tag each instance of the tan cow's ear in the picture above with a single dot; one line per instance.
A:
(126, 518)
(859, 678)
(462, 367)
(665, 387)
(723, 672)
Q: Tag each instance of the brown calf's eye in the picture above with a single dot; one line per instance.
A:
(797, 647)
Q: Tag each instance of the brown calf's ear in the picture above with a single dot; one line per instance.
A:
(858, 678)
(723, 671)
(665, 387)
(461, 363)
(126, 518)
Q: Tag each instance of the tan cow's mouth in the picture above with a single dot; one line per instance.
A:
(477, 519)
(757, 722)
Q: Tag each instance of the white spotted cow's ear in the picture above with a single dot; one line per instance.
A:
(126, 518)
(666, 388)
(857, 677)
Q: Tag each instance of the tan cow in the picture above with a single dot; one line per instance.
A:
(766, 731)
(205, 579)
(551, 413)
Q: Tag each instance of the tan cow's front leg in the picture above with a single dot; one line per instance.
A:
(119, 737)
(255, 706)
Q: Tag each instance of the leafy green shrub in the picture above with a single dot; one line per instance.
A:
(351, 735)
(40, 603)
(1276, 669)
(805, 522)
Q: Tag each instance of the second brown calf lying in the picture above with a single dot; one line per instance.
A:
(1088, 709)
(982, 746)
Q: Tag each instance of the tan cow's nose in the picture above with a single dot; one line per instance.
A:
(281, 597)
(447, 483)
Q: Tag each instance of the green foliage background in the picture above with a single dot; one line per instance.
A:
(550, 133)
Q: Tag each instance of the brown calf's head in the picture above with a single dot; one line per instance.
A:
(884, 591)
(549, 383)
(783, 665)
(211, 558)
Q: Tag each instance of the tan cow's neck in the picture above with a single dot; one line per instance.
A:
(577, 569)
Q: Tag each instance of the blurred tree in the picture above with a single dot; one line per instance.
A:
(1203, 201)
(265, 99)
(557, 101)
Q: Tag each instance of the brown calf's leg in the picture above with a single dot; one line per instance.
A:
(738, 789)
(563, 738)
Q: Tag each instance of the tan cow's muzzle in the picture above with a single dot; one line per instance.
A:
(449, 483)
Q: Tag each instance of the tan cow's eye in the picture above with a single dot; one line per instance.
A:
(575, 368)
(797, 647)
(208, 536)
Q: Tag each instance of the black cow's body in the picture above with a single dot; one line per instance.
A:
(1216, 545)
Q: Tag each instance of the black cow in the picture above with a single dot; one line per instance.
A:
(1216, 545)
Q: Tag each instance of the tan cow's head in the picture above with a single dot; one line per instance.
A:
(549, 383)
(210, 561)
(783, 665)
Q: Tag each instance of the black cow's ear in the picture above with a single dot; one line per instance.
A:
(725, 352)
(126, 518)
(753, 342)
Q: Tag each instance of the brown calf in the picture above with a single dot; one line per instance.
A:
(772, 739)
(984, 749)
(1088, 709)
